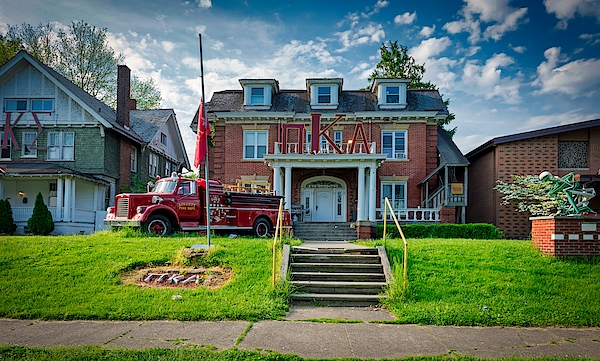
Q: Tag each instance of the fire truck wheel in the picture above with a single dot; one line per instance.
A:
(158, 225)
(262, 227)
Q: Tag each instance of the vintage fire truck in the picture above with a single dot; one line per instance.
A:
(178, 204)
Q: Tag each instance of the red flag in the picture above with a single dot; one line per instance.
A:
(201, 136)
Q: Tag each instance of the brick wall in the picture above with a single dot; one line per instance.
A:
(482, 198)
(566, 236)
(448, 215)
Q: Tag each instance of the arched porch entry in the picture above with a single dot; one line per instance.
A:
(324, 199)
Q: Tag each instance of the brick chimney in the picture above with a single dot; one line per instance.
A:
(123, 95)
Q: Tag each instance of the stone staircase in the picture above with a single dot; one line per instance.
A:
(324, 231)
(337, 276)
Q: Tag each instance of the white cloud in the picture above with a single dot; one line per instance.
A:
(477, 12)
(380, 4)
(198, 29)
(372, 33)
(486, 80)
(167, 45)
(405, 19)
(552, 120)
(565, 10)
(437, 70)
(427, 31)
(472, 50)
(205, 4)
(217, 45)
(519, 49)
(430, 48)
(576, 78)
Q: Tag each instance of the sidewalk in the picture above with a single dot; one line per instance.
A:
(312, 339)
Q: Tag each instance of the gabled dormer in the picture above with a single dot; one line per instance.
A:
(324, 93)
(258, 93)
(391, 93)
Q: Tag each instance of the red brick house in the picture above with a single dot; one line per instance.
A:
(559, 150)
(334, 154)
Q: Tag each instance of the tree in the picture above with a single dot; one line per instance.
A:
(397, 63)
(529, 194)
(41, 220)
(81, 53)
(8, 48)
(7, 222)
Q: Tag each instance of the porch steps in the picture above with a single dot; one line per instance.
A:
(324, 231)
(336, 277)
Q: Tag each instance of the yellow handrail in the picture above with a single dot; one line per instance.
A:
(278, 231)
(405, 263)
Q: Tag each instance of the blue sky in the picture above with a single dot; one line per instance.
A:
(506, 66)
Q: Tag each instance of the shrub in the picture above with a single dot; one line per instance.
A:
(41, 220)
(7, 222)
(470, 230)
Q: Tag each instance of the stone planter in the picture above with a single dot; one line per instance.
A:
(566, 235)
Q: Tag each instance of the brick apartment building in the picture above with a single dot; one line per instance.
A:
(559, 150)
(334, 154)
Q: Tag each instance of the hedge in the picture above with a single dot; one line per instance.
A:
(470, 230)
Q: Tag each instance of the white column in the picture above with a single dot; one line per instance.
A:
(373, 193)
(288, 188)
(72, 204)
(59, 199)
(67, 203)
(277, 180)
(360, 210)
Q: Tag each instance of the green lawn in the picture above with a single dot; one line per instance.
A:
(451, 282)
(495, 282)
(78, 277)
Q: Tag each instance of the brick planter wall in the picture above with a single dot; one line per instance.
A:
(566, 236)
(448, 215)
(366, 229)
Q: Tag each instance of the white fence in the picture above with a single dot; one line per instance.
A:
(414, 214)
(22, 214)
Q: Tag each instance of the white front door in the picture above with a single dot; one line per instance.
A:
(324, 206)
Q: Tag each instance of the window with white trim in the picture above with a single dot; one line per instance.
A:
(42, 105)
(257, 95)
(308, 141)
(255, 144)
(5, 152)
(29, 145)
(133, 159)
(167, 168)
(163, 138)
(15, 105)
(153, 165)
(395, 192)
(324, 95)
(61, 146)
(394, 144)
(392, 94)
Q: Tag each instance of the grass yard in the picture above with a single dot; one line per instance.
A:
(493, 283)
(78, 277)
(451, 282)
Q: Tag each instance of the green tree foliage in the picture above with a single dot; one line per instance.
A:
(7, 223)
(41, 220)
(397, 63)
(8, 48)
(80, 53)
(529, 194)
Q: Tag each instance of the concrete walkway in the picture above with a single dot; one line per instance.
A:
(362, 339)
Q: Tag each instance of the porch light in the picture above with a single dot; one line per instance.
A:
(21, 194)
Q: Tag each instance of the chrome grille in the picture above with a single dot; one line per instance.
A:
(123, 207)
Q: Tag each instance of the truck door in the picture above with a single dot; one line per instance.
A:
(188, 200)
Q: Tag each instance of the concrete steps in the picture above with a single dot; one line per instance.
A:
(324, 231)
(337, 277)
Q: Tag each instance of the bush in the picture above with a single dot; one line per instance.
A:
(7, 222)
(41, 220)
(471, 230)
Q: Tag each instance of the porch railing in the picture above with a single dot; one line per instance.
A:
(438, 198)
(295, 148)
(22, 214)
(413, 214)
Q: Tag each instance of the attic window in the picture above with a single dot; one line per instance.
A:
(15, 105)
(324, 95)
(163, 138)
(257, 96)
(392, 94)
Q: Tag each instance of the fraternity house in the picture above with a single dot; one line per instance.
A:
(335, 154)
(57, 139)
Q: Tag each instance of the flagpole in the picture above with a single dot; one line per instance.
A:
(205, 119)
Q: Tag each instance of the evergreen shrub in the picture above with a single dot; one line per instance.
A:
(7, 222)
(470, 230)
(41, 220)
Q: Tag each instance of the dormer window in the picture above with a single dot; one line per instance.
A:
(324, 93)
(391, 93)
(257, 96)
(258, 93)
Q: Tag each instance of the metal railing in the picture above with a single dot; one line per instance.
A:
(405, 260)
(295, 148)
(278, 233)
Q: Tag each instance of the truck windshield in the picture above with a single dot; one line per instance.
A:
(166, 186)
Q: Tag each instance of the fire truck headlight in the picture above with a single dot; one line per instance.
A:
(139, 209)
(156, 199)
(109, 210)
